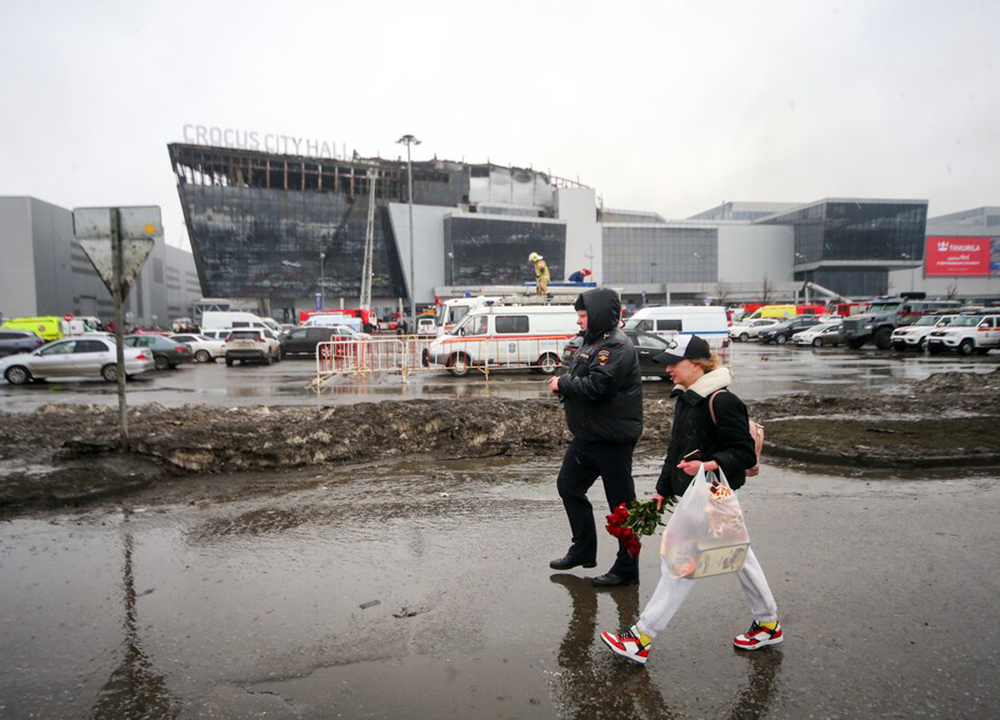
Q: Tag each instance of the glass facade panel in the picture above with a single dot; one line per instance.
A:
(877, 231)
(483, 251)
(857, 231)
(658, 254)
(253, 243)
(852, 282)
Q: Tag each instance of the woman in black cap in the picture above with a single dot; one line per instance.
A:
(710, 419)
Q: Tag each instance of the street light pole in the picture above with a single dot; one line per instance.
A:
(322, 281)
(410, 140)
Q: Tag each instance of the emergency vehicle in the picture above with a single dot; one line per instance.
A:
(451, 313)
(368, 318)
(706, 321)
(498, 335)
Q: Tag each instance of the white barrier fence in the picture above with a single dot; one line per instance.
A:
(459, 356)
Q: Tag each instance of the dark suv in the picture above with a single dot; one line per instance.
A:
(783, 331)
(303, 341)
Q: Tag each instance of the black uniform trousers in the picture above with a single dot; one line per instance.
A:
(583, 464)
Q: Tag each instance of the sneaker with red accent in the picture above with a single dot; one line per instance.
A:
(627, 644)
(758, 636)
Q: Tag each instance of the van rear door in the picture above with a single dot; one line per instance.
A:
(512, 347)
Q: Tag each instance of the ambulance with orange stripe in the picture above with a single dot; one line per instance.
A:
(498, 336)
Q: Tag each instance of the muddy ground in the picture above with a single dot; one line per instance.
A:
(65, 454)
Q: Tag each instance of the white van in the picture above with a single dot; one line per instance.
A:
(452, 312)
(705, 321)
(231, 320)
(333, 321)
(506, 336)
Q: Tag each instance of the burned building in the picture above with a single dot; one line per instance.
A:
(285, 228)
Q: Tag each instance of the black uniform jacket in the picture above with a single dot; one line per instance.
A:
(727, 441)
(602, 392)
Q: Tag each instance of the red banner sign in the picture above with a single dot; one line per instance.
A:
(958, 256)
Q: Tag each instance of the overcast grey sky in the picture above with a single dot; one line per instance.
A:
(665, 106)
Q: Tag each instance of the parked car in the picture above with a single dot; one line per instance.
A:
(752, 329)
(13, 342)
(167, 354)
(303, 341)
(426, 327)
(252, 345)
(829, 332)
(967, 334)
(205, 349)
(888, 313)
(914, 337)
(647, 345)
(76, 357)
(216, 334)
(783, 331)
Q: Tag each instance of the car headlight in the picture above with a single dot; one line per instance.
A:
(868, 327)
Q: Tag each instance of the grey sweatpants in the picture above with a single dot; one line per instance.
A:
(670, 593)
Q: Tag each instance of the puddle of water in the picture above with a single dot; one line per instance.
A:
(260, 588)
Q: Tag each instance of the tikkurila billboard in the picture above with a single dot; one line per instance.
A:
(958, 256)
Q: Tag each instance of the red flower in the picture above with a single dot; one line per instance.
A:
(629, 523)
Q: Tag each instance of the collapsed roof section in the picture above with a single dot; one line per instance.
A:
(435, 182)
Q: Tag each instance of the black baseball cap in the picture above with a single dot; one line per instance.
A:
(684, 347)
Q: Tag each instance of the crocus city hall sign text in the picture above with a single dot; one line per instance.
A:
(266, 142)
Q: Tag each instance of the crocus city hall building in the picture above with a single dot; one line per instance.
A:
(284, 228)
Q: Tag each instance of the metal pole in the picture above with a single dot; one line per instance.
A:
(409, 197)
(117, 262)
(322, 281)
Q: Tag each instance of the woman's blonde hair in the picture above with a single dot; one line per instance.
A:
(708, 364)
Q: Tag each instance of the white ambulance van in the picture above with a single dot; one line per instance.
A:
(500, 336)
(706, 321)
(231, 320)
(452, 312)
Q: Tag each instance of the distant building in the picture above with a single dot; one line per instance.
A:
(44, 271)
(962, 257)
(284, 228)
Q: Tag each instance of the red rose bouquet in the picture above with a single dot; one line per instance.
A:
(640, 517)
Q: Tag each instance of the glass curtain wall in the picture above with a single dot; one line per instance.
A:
(857, 231)
(481, 251)
(253, 243)
(656, 254)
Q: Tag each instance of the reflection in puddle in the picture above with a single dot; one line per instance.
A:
(594, 683)
(135, 689)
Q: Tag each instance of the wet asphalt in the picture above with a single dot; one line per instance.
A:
(420, 589)
(762, 371)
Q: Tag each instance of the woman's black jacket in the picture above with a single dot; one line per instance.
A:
(727, 441)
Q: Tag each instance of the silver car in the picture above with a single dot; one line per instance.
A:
(73, 357)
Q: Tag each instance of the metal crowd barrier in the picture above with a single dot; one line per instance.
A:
(410, 354)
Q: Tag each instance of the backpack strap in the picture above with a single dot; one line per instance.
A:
(711, 405)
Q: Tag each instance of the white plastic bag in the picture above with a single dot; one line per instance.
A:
(706, 534)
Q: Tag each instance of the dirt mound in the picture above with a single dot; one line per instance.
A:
(195, 439)
(64, 451)
(944, 393)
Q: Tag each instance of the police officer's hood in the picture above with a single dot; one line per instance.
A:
(604, 310)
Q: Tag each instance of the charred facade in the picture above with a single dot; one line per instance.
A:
(280, 227)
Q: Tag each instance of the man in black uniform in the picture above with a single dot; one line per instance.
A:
(602, 394)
